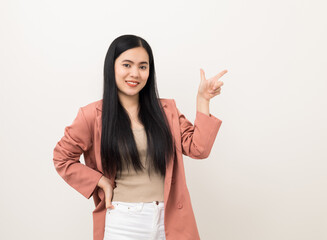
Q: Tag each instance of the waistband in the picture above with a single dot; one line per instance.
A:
(137, 206)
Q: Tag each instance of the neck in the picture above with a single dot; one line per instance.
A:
(130, 103)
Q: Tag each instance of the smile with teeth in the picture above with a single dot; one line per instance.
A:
(132, 84)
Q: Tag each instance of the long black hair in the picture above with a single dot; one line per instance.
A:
(117, 139)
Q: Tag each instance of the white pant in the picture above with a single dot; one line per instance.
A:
(135, 221)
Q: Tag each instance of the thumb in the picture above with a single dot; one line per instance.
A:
(109, 204)
(202, 74)
(108, 201)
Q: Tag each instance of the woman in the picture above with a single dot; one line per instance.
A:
(133, 142)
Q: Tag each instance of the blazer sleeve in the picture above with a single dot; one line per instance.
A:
(66, 154)
(197, 140)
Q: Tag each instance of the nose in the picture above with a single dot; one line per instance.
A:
(134, 72)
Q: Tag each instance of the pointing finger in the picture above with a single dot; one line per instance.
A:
(219, 75)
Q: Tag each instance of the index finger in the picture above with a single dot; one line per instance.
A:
(219, 75)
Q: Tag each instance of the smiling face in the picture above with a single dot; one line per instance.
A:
(131, 66)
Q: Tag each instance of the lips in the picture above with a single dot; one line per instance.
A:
(132, 83)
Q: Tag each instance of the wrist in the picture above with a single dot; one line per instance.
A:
(202, 99)
(100, 182)
(202, 105)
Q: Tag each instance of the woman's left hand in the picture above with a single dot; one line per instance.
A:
(210, 87)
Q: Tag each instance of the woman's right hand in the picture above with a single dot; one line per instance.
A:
(104, 184)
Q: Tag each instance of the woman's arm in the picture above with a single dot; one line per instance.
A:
(197, 140)
(66, 154)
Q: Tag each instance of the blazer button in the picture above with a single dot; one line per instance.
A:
(180, 205)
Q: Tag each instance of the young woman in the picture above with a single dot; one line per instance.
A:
(133, 142)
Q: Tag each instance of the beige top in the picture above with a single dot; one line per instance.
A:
(134, 186)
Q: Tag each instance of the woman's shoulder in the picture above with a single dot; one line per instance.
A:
(91, 111)
(167, 101)
(92, 106)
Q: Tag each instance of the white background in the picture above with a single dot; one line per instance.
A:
(266, 176)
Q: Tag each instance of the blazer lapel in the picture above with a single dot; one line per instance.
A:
(170, 165)
(98, 137)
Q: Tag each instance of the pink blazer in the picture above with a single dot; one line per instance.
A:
(83, 137)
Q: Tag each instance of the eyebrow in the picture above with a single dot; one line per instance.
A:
(126, 60)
